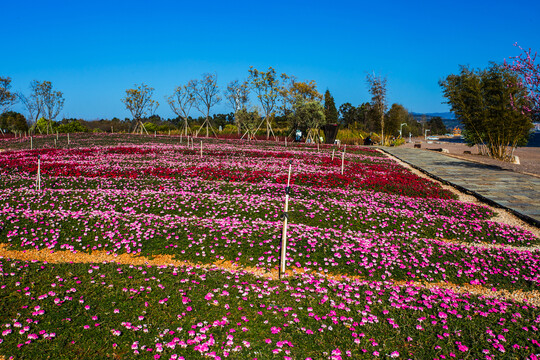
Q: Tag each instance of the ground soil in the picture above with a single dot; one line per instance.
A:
(529, 157)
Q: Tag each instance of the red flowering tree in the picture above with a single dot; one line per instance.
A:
(529, 78)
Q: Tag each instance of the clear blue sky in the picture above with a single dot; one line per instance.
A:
(92, 51)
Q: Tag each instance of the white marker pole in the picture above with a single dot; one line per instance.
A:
(333, 152)
(342, 161)
(68, 138)
(201, 148)
(31, 143)
(285, 141)
(285, 222)
(38, 182)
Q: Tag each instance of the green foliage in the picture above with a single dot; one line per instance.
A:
(436, 126)
(41, 125)
(396, 116)
(73, 126)
(307, 114)
(13, 121)
(150, 126)
(489, 108)
(330, 110)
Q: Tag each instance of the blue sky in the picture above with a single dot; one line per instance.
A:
(93, 51)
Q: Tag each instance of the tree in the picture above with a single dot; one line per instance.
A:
(291, 89)
(308, 114)
(140, 104)
(493, 113)
(377, 89)
(436, 126)
(206, 96)
(267, 87)
(247, 120)
(13, 122)
(346, 114)
(181, 102)
(43, 102)
(53, 101)
(7, 98)
(396, 116)
(330, 110)
(528, 77)
(238, 95)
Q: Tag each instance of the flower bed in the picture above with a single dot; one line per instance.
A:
(378, 228)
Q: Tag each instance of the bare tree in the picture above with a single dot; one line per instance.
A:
(43, 101)
(238, 95)
(206, 96)
(377, 89)
(266, 86)
(53, 102)
(181, 103)
(7, 98)
(139, 102)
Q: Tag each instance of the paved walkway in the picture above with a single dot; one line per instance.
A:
(516, 192)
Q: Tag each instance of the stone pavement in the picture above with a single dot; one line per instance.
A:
(516, 192)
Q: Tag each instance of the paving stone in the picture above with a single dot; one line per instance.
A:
(519, 193)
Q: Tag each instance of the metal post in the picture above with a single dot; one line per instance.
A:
(285, 223)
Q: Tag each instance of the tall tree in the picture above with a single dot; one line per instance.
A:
(492, 112)
(377, 89)
(53, 101)
(291, 89)
(267, 87)
(396, 116)
(43, 101)
(206, 93)
(33, 103)
(140, 104)
(330, 110)
(7, 98)
(238, 95)
(181, 102)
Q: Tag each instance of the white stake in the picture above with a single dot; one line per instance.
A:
(342, 161)
(333, 151)
(285, 141)
(201, 148)
(38, 182)
(155, 133)
(180, 138)
(56, 134)
(285, 222)
(31, 143)
(68, 138)
(55, 143)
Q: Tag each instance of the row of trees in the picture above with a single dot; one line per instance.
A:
(283, 95)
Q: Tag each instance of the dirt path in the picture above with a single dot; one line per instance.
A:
(530, 297)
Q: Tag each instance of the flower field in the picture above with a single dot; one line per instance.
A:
(185, 250)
